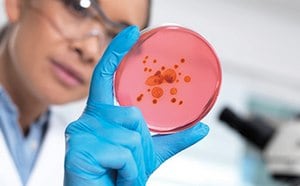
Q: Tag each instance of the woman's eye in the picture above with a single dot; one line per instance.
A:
(75, 7)
(111, 35)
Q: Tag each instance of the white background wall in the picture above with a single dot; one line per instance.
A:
(257, 42)
(258, 39)
(2, 13)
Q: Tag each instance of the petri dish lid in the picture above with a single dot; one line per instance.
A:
(172, 74)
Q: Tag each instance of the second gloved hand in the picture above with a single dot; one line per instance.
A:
(111, 145)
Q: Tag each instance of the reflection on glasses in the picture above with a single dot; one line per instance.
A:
(78, 19)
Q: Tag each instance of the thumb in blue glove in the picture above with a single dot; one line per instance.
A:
(111, 145)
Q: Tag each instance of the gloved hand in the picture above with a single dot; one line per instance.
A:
(111, 145)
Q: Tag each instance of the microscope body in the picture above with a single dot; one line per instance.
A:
(282, 152)
(279, 145)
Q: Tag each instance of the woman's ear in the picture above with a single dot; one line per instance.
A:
(13, 10)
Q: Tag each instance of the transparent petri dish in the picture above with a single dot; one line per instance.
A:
(173, 75)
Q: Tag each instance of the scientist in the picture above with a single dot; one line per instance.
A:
(49, 51)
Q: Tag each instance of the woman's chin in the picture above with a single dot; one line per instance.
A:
(61, 96)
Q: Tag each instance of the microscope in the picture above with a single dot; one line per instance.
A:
(280, 145)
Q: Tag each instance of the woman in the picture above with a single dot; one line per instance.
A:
(48, 52)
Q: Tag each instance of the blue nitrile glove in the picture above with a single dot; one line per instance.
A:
(111, 145)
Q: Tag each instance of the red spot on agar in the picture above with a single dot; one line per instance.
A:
(164, 75)
(173, 91)
(146, 57)
(154, 80)
(169, 75)
(157, 73)
(139, 98)
(187, 79)
(144, 61)
(157, 92)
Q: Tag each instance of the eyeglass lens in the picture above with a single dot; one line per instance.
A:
(78, 19)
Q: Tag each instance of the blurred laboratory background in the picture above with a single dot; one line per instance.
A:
(253, 142)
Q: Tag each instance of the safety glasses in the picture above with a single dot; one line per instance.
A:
(78, 19)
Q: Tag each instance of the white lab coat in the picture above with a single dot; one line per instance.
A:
(49, 168)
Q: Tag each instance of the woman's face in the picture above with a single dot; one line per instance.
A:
(52, 47)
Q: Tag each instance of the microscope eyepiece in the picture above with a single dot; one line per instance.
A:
(256, 132)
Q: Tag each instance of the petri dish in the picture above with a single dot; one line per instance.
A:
(173, 75)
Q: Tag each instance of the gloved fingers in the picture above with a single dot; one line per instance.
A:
(93, 158)
(72, 178)
(101, 90)
(116, 114)
(129, 118)
(114, 133)
(128, 129)
(90, 127)
(166, 146)
(109, 117)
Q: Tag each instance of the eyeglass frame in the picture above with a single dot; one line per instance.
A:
(107, 23)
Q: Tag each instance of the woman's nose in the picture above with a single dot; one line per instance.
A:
(87, 49)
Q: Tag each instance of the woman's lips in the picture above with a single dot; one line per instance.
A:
(67, 75)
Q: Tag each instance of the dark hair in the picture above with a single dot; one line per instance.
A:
(3, 31)
(149, 13)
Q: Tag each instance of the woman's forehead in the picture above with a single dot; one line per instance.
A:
(127, 11)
